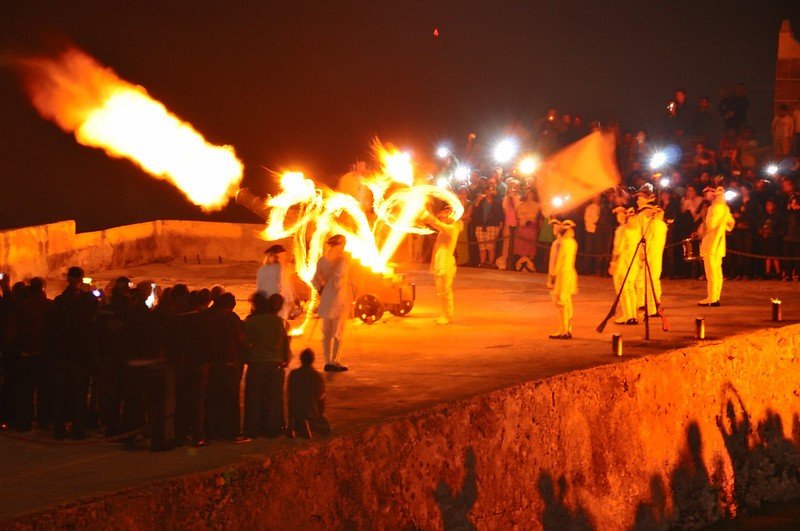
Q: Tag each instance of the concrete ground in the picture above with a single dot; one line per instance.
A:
(499, 339)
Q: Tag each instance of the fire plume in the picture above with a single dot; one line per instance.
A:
(309, 214)
(104, 111)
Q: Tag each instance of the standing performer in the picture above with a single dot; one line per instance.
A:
(443, 262)
(645, 199)
(332, 281)
(717, 222)
(564, 278)
(656, 238)
(275, 276)
(626, 240)
(654, 230)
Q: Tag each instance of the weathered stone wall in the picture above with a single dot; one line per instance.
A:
(673, 440)
(47, 250)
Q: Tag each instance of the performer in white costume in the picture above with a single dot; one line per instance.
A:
(275, 276)
(332, 281)
(654, 230)
(626, 240)
(564, 277)
(443, 261)
(717, 222)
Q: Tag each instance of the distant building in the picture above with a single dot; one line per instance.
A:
(787, 71)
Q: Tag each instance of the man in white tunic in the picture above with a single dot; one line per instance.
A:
(443, 262)
(332, 281)
(654, 230)
(275, 276)
(626, 240)
(564, 278)
(717, 222)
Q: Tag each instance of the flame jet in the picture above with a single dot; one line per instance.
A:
(104, 111)
(308, 215)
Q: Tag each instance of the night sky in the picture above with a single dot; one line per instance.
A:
(306, 85)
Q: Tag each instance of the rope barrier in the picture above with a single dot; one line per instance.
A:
(543, 245)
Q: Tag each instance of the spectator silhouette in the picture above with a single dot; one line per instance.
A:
(455, 506)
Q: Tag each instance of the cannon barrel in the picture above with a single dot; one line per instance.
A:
(253, 203)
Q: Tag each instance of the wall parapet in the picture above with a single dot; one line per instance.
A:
(680, 439)
(47, 250)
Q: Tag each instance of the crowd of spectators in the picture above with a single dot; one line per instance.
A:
(116, 361)
(693, 148)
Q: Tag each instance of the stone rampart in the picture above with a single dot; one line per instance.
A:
(674, 440)
(47, 250)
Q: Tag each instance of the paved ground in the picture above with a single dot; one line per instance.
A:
(397, 365)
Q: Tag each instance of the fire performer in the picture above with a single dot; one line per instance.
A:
(717, 222)
(276, 277)
(443, 263)
(332, 281)
(563, 277)
(626, 240)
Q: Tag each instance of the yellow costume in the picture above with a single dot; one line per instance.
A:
(654, 230)
(443, 263)
(717, 222)
(564, 277)
(626, 240)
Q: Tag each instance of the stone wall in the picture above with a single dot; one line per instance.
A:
(47, 250)
(674, 440)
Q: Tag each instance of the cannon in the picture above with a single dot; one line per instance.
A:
(375, 294)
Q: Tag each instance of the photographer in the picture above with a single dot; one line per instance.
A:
(791, 239)
(488, 218)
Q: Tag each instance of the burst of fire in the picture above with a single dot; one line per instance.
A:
(104, 111)
(317, 213)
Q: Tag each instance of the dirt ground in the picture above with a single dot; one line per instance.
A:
(399, 364)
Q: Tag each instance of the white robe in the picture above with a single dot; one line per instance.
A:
(332, 280)
(275, 278)
(717, 222)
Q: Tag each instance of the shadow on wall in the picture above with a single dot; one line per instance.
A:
(765, 468)
(455, 507)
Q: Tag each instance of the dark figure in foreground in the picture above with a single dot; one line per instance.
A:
(72, 329)
(267, 346)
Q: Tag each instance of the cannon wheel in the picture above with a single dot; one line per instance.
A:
(402, 309)
(369, 309)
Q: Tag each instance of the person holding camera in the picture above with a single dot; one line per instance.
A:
(488, 216)
(791, 239)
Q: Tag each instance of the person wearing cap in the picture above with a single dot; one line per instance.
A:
(332, 281)
(654, 229)
(71, 334)
(564, 283)
(555, 228)
(275, 276)
(626, 241)
(717, 222)
(443, 261)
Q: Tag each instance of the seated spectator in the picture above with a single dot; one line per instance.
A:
(703, 159)
(306, 390)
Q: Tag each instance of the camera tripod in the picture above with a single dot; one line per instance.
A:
(648, 276)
